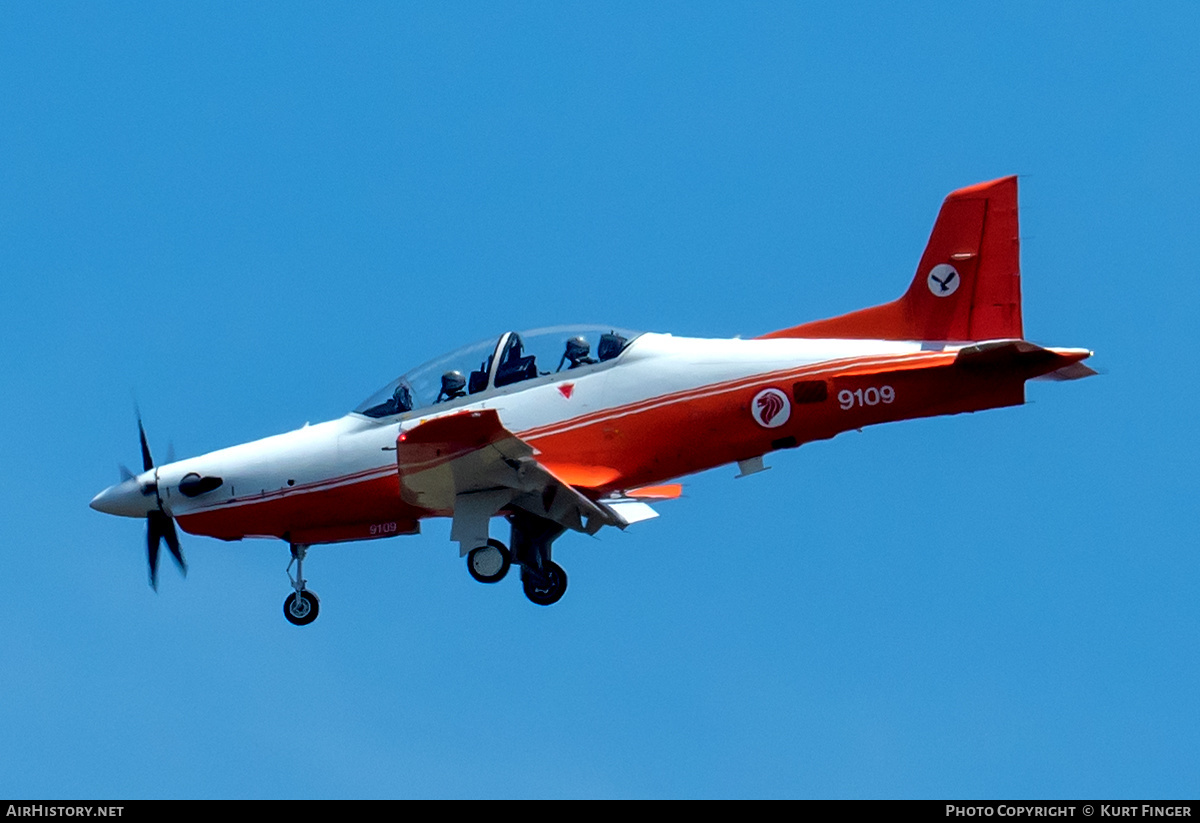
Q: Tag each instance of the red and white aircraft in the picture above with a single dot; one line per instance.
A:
(534, 428)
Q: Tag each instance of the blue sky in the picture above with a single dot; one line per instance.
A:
(251, 217)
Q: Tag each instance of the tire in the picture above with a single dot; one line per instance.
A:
(302, 611)
(545, 588)
(490, 563)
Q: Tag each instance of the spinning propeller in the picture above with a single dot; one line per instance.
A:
(137, 496)
(159, 525)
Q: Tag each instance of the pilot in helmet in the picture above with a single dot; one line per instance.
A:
(401, 399)
(577, 353)
(453, 383)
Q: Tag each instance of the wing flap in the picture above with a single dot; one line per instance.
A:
(670, 491)
(582, 475)
(544, 494)
(631, 511)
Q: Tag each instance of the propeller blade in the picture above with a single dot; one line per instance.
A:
(172, 538)
(147, 460)
(126, 474)
(154, 534)
(160, 526)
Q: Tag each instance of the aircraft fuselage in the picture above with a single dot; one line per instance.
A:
(666, 408)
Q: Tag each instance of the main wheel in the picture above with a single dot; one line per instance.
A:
(302, 610)
(546, 587)
(489, 564)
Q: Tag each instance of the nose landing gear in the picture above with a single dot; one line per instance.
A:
(301, 606)
(301, 609)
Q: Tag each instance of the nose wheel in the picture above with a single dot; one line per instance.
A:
(301, 609)
(301, 606)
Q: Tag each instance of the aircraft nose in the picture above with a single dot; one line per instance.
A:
(127, 499)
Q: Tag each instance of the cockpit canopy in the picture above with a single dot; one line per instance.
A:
(496, 363)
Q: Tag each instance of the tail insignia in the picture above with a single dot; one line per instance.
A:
(943, 280)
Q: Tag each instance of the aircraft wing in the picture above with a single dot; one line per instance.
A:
(469, 464)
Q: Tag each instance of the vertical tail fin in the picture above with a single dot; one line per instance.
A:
(968, 283)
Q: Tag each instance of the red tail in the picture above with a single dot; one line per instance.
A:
(968, 284)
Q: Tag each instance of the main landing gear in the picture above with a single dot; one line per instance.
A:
(544, 581)
(489, 564)
(301, 606)
(545, 586)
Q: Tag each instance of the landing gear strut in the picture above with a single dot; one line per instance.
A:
(544, 580)
(301, 606)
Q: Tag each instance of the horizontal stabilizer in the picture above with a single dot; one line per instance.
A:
(1074, 371)
(1023, 359)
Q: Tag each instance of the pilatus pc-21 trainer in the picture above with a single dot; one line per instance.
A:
(579, 428)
